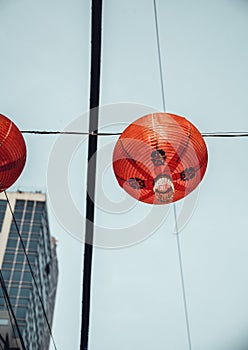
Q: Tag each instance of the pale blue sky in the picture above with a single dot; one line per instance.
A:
(44, 71)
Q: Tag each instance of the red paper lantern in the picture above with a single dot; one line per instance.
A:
(160, 158)
(12, 153)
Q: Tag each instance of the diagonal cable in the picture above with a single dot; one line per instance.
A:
(10, 310)
(159, 54)
(186, 313)
(31, 270)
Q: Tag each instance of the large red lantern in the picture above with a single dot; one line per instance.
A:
(12, 153)
(160, 158)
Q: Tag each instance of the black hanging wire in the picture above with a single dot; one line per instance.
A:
(94, 133)
(10, 315)
(96, 35)
(225, 134)
(31, 269)
(2, 340)
(174, 205)
(10, 309)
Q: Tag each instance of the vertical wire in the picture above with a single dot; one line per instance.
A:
(182, 278)
(174, 206)
(95, 85)
(159, 55)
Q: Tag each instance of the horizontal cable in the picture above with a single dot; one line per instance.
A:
(225, 134)
(69, 133)
(204, 134)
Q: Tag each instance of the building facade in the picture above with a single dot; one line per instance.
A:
(31, 216)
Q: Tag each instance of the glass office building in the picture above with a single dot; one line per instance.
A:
(31, 216)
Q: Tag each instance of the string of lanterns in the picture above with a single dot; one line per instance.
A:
(158, 159)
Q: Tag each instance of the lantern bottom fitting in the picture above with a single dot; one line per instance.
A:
(164, 189)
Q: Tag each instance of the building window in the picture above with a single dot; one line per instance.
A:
(2, 212)
(23, 302)
(24, 292)
(9, 256)
(18, 266)
(11, 243)
(37, 216)
(21, 312)
(6, 274)
(20, 257)
(27, 276)
(18, 215)
(40, 205)
(33, 245)
(13, 291)
(36, 228)
(20, 204)
(16, 276)
(28, 216)
(2, 302)
(7, 265)
(26, 228)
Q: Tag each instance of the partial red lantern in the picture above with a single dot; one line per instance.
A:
(12, 153)
(160, 158)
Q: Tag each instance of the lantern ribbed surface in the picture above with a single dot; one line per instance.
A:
(160, 158)
(12, 153)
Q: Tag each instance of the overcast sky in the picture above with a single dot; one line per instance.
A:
(44, 84)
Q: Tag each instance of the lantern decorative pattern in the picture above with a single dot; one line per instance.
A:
(160, 158)
(12, 153)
